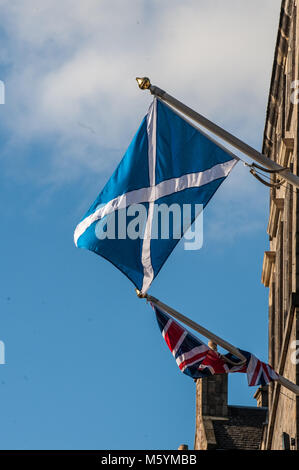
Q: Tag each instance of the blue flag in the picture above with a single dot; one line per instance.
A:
(169, 164)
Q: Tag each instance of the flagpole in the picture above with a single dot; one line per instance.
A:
(144, 84)
(216, 339)
(195, 326)
(288, 384)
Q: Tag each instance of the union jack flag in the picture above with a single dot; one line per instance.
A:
(197, 360)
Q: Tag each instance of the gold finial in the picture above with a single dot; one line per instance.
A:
(140, 294)
(212, 345)
(144, 83)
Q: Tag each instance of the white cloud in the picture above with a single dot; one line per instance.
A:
(72, 64)
(238, 209)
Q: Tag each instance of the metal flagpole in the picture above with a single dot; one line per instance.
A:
(145, 84)
(216, 339)
(200, 329)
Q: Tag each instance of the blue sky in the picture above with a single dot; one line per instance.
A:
(86, 366)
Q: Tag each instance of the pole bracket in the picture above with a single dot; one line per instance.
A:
(261, 180)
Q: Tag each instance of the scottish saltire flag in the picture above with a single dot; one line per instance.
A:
(197, 360)
(168, 162)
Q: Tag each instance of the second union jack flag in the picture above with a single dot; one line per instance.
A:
(197, 360)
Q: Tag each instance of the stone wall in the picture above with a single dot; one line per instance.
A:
(281, 267)
(211, 402)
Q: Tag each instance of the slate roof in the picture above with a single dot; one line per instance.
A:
(242, 431)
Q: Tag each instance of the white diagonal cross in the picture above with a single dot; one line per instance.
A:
(153, 193)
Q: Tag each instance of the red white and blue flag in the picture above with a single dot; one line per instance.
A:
(197, 360)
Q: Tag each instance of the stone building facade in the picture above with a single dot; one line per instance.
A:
(281, 261)
(220, 426)
(273, 425)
